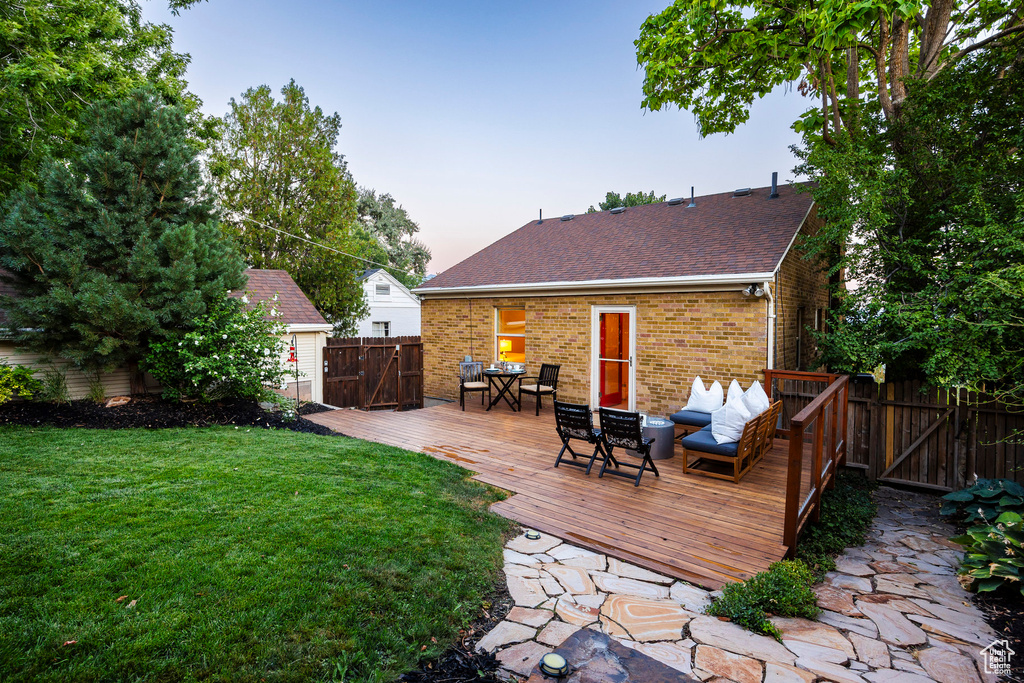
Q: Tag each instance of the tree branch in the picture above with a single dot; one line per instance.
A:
(977, 46)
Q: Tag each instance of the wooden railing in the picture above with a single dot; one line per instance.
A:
(825, 451)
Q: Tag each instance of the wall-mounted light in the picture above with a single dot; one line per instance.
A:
(753, 290)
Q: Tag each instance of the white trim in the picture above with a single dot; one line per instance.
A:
(595, 341)
(560, 287)
(393, 281)
(308, 327)
(792, 241)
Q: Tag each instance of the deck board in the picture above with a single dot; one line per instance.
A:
(705, 531)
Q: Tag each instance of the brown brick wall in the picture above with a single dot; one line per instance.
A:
(718, 335)
(801, 284)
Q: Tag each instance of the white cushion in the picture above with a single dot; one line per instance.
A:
(735, 392)
(532, 388)
(475, 385)
(704, 400)
(728, 421)
(755, 399)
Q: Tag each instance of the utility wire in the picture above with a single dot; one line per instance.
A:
(324, 246)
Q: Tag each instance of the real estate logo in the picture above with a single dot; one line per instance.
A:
(997, 658)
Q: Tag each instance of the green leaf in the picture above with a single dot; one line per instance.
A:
(962, 496)
(986, 585)
(1009, 517)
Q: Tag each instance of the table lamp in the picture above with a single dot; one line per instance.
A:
(504, 346)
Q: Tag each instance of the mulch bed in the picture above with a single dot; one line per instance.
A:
(461, 663)
(151, 412)
(1004, 611)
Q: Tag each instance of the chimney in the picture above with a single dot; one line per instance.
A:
(692, 204)
(775, 185)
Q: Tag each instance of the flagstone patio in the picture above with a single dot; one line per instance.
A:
(893, 612)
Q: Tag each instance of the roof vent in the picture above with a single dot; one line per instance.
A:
(692, 204)
(742, 192)
(568, 216)
(775, 185)
(675, 202)
(618, 209)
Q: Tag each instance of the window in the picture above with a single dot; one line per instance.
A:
(382, 329)
(383, 291)
(510, 335)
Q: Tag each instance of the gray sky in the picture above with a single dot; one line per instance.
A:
(475, 115)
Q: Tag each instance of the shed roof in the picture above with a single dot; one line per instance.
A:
(294, 306)
(723, 235)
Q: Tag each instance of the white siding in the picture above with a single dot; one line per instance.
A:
(116, 383)
(309, 349)
(400, 308)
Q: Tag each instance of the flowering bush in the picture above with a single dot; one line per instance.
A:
(17, 380)
(231, 352)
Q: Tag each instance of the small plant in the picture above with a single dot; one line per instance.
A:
(97, 392)
(783, 590)
(985, 501)
(54, 386)
(846, 514)
(994, 554)
(231, 352)
(17, 380)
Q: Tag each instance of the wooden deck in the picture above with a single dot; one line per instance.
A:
(695, 528)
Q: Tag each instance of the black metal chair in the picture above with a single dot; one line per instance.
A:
(544, 384)
(471, 378)
(622, 429)
(575, 421)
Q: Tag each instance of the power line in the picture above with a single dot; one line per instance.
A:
(324, 246)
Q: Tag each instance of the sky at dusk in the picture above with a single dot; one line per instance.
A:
(475, 115)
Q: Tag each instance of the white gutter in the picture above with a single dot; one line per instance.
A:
(559, 287)
(309, 327)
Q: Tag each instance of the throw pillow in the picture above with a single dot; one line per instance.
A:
(755, 399)
(728, 421)
(735, 392)
(704, 400)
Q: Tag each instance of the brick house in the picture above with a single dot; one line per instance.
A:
(633, 303)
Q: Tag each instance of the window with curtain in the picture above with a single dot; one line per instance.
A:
(510, 335)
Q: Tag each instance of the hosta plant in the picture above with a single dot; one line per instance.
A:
(986, 500)
(994, 554)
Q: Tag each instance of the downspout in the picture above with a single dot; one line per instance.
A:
(771, 323)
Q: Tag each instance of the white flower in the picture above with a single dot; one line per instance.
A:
(179, 343)
(275, 297)
(224, 336)
(245, 299)
(197, 342)
(216, 356)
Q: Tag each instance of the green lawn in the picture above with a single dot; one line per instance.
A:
(241, 555)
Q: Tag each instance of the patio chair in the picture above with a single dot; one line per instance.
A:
(471, 378)
(576, 421)
(545, 384)
(622, 429)
(766, 430)
(740, 454)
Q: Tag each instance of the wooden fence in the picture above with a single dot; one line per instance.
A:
(904, 433)
(374, 373)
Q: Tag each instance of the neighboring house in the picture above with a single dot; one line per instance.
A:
(633, 303)
(297, 313)
(394, 310)
(301, 320)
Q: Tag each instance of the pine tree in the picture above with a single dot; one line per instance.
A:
(119, 246)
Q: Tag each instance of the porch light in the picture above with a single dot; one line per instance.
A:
(532, 534)
(553, 664)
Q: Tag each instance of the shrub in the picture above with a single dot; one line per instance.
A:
(846, 514)
(986, 500)
(783, 590)
(54, 386)
(994, 554)
(17, 380)
(231, 352)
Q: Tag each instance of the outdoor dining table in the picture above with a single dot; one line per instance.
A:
(502, 380)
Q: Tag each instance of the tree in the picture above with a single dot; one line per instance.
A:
(612, 200)
(715, 58)
(390, 237)
(119, 247)
(933, 234)
(56, 59)
(288, 199)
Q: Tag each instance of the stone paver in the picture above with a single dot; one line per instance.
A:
(893, 612)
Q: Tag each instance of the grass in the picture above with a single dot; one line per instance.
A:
(241, 556)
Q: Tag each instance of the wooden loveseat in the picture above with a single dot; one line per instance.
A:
(757, 439)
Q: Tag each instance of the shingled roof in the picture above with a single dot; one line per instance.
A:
(724, 235)
(293, 305)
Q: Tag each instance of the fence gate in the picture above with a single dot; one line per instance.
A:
(374, 372)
